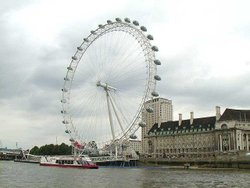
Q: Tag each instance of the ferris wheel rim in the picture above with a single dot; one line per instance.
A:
(150, 84)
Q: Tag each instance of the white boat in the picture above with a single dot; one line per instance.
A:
(68, 162)
(28, 158)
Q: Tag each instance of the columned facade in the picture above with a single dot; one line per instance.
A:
(200, 137)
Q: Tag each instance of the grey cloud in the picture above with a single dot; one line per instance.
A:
(190, 85)
(32, 72)
(7, 6)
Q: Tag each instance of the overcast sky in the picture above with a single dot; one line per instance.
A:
(203, 46)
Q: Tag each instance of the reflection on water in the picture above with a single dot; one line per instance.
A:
(32, 175)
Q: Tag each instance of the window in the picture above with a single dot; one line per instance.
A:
(224, 126)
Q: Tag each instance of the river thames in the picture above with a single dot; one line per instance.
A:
(20, 175)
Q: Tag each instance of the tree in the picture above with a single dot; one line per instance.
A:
(35, 150)
(52, 149)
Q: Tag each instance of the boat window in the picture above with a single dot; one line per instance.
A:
(57, 161)
(84, 162)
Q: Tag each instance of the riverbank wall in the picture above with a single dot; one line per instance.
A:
(223, 160)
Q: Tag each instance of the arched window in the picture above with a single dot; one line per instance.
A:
(224, 126)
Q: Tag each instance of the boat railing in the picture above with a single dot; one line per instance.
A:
(111, 158)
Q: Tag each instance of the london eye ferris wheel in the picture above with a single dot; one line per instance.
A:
(110, 76)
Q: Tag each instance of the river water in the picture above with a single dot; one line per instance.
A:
(13, 174)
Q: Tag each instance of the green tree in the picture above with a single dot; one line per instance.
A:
(34, 150)
(51, 149)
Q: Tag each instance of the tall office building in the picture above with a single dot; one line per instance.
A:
(157, 110)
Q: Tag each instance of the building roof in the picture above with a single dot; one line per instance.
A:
(235, 114)
(173, 127)
(158, 99)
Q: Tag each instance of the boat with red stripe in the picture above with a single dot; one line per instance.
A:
(68, 162)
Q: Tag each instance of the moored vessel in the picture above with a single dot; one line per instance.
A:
(68, 162)
(26, 157)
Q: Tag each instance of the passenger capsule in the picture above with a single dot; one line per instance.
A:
(155, 48)
(74, 58)
(100, 26)
(65, 122)
(124, 146)
(64, 90)
(118, 20)
(109, 21)
(133, 136)
(127, 20)
(143, 28)
(150, 110)
(70, 68)
(150, 37)
(136, 23)
(67, 131)
(86, 39)
(154, 94)
(157, 62)
(79, 48)
(156, 77)
(66, 78)
(142, 124)
(63, 101)
(63, 112)
(93, 32)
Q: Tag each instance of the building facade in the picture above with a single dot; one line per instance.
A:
(233, 130)
(162, 112)
(136, 145)
(200, 137)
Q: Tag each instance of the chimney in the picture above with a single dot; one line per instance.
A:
(159, 122)
(180, 119)
(191, 118)
(218, 115)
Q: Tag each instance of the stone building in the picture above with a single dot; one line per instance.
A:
(233, 131)
(162, 112)
(200, 137)
(136, 145)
